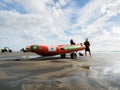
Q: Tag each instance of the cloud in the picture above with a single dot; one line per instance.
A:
(93, 18)
(52, 22)
(32, 27)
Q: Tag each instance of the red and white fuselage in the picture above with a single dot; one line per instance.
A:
(55, 50)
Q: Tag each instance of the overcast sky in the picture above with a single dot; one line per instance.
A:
(54, 22)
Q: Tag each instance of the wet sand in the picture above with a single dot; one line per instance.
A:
(101, 72)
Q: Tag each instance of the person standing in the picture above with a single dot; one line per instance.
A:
(87, 44)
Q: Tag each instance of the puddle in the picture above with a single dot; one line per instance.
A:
(92, 78)
(85, 67)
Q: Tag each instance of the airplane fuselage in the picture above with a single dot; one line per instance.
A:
(55, 50)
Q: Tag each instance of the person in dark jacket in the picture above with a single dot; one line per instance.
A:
(72, 42)
(87, 44)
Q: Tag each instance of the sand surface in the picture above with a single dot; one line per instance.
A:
(100, 72)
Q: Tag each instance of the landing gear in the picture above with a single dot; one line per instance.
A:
(63, 55)
(73, 55)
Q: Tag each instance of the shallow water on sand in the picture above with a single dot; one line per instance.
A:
(100, 72)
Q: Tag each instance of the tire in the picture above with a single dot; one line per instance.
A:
(10, 50)
(73, 55)
(63, 55)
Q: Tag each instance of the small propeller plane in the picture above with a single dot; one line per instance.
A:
(57, 50)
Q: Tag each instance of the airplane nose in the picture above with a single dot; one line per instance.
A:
(28, 48)
(34, 47)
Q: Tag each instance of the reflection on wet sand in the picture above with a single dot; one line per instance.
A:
(101, 72)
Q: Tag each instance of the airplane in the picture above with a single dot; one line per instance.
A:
(44, 50)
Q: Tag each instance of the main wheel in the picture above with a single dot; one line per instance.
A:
(63, 55)
(73, 55)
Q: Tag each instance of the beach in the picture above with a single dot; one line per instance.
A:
(28, 71)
